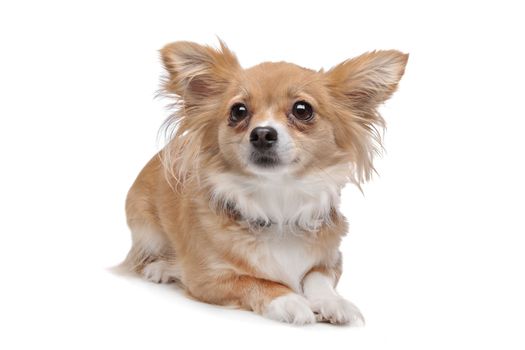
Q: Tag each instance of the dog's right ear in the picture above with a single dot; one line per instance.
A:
(197, 72)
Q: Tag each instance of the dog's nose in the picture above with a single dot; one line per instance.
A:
(263, 137)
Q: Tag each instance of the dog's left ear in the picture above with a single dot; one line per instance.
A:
(358, 86)
(368, 80)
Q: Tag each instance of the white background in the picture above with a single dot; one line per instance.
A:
(435, 254)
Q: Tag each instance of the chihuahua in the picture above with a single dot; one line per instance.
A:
(241, 207)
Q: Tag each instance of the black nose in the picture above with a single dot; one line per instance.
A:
(263, 137)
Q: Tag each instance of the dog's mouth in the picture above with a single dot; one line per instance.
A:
(266, 159)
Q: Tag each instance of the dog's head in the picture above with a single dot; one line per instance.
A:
(275, 117)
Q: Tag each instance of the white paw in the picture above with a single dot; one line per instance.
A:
(337, 310)
(291, 308)
(160, 271)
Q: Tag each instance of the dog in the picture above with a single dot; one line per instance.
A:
(241, 205)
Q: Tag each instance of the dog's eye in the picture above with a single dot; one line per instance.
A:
(238, 112)
(302, 110)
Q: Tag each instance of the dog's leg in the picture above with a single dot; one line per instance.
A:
(151, 256)
(328, 305)
(270, 299)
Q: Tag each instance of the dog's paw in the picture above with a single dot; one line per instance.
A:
(337, 310)
(290, 308)
(159, 271)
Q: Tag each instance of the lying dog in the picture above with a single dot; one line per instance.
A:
(241, 206)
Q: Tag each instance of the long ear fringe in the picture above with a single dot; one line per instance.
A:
(360, 137)
(367, 143)
(181, 155)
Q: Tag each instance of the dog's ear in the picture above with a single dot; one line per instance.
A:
(368, 80)
(358, 86)
(196, 72)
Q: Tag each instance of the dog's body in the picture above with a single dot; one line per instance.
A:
(241, 206)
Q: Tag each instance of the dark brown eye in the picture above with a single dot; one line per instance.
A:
(302, 110)
(238, 112)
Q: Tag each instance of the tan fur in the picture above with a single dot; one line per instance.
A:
(168, 207)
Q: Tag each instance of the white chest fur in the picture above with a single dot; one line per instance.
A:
(282, 199)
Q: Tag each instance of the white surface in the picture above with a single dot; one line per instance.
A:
(435, 255)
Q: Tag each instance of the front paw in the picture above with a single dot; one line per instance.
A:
(290, 308)
(337, 310)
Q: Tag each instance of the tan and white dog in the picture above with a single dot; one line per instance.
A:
(241, 206)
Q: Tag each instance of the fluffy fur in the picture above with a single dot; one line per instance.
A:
(233, 232)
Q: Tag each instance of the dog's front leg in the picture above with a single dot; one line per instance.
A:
(270, 299)
(328, 305)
